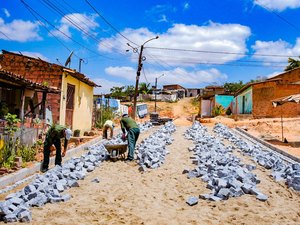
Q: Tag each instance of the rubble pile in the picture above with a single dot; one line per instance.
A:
(49, 186)
(224, 173)
(281, 170)
(151, 152)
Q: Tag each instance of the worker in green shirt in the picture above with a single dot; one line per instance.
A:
(131, 127)
(53, 137)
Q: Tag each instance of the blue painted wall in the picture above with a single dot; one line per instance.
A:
(244, 101)
(223, 100)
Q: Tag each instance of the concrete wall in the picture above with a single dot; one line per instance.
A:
(289, 77)
(264, 93)
(244, 102)
(83, 104)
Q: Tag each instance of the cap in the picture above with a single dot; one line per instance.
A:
(68, 133)
(125, 115)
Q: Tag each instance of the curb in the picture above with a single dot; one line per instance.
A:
(25, 172)
(266, 144)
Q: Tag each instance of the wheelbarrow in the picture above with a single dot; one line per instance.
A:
(116, 151)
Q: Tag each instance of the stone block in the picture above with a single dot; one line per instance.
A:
(95, 180)
(262, 197)
(246, 188)
(24, 216)
(192, 201)
(10, 218)
(66, 197)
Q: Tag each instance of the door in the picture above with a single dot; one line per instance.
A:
(70, 105)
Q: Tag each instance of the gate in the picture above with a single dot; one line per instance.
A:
(70, 105)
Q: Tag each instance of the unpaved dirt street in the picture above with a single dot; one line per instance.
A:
(126, 196)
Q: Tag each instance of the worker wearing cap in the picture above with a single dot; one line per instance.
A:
(53, 137)
(128, 124)
(108, 125)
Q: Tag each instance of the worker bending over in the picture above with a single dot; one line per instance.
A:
(133, 132)
(108, 125)
(53, 137)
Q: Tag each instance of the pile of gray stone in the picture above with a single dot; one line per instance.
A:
(152, 151)
(48, 188)
(224, 172)
(145, 126)
(281, 170)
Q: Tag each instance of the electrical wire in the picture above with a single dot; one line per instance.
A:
(280, 17)
(30, 9)
(6, 36)
(107, 22)
(219, 52)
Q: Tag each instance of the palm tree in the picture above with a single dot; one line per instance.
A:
(144, 88)
(293, 63)
(117, 92)
(129, 91)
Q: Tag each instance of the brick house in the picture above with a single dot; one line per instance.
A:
(210, 97)
(256, 99)
(175, 88)
(73, 107)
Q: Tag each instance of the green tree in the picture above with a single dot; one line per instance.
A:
(293, 63)
(233, 87)
(129, 91)
(117, 92)
(144, 88)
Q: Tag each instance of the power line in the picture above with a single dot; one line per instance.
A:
(31, 10)
(219, 52)
(62, 13)
(106, 21)
(103, 30)
(280, 17)
(6, 35)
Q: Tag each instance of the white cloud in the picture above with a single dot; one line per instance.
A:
(163, 18)
(6, 12)
(279, 47)
(106, 85)
(186, 6)
(177, 75)
(19, 30)
(128, 73)
(86, 24)
(212, 37)
(278, 5)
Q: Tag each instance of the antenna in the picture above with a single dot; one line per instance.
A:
(68, 61)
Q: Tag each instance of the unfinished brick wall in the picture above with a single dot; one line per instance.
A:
(264, 93)
(289, 77)
(37, 71)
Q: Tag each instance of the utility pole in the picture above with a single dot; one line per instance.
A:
(138, 73)
(156, 91)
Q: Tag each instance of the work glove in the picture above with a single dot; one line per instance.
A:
(123, 137)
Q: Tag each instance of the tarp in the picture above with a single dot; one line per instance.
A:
(282, 100)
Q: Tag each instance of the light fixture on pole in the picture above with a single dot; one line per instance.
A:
(156, 91)
(138, 72)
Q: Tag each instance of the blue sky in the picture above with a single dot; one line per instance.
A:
(201, 42)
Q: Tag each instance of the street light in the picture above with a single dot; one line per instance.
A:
(138, 72)
(156, 90)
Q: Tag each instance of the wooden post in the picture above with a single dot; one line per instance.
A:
(22, 114)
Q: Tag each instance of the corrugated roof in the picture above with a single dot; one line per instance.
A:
(291, 98)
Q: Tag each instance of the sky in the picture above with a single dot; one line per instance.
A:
(200, 42)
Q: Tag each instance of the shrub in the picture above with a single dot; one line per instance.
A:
(104, 114)
(217, 110)
(27, 153)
